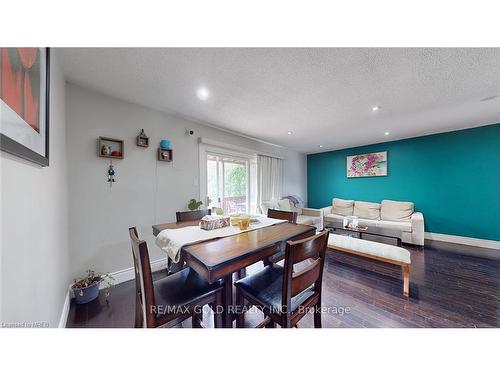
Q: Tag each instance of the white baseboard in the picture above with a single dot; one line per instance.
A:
(119, 277)
(469, 241)
(129, 273)
(65, 310)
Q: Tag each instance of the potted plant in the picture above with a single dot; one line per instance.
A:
(86, 289)
(193, 205)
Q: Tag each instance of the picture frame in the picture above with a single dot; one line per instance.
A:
(24, 103)
(367, 165)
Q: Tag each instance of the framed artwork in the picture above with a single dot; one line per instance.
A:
(367, 165)
(24, 103)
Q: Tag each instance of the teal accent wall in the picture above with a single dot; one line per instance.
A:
(453, 179)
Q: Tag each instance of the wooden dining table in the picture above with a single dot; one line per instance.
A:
(220, 258)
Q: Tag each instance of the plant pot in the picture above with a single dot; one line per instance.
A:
(87, 294)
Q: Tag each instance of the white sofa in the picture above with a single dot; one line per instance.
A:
(307, 216)
(387, 214)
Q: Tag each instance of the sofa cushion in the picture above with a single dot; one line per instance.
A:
(367, 210)
(284, 205)
(334, 218)
(403, 226)
(308, 220)
(266, 205)
(396, 211)
(342, 207)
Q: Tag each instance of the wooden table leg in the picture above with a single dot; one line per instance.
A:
(406, 280)
(228, 301)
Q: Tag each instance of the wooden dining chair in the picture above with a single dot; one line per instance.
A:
(285, 295)
(274, 214)
(283, 215)
(172, 299)
(191, 215)
(182, 216)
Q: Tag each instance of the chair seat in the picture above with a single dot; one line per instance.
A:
(265, 287)
(181, 289)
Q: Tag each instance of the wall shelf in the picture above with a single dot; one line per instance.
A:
(110, 148)
(165, 154)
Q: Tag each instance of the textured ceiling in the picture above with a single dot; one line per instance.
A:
(323, 95)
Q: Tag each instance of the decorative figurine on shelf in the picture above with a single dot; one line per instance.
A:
(111, 174)
(105, 150)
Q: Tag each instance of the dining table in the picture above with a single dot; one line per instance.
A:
(220, 258)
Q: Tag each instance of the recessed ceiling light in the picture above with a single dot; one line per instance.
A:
(376, 108)
(489, 98)
(320, 146)
(202, 93)
(386, 133)
(289, 132)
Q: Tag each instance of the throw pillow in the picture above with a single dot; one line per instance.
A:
(396, 211)
(367, 210)
(342, 207)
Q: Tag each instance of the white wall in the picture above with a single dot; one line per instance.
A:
(34, 236)
(146, 191)
(295, 179)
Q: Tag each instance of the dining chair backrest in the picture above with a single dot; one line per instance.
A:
(143, 279)
(312, 249)
(191, 215)
(282, 215)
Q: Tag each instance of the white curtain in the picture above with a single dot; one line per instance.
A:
(270, 177)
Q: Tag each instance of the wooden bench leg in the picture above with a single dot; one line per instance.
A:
(406, 280)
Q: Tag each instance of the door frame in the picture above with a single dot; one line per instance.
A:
(205, 149)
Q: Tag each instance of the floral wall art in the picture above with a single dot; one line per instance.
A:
(367, 165)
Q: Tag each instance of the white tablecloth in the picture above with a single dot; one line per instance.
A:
(171, 241)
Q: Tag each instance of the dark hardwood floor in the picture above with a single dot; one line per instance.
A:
(446, 290)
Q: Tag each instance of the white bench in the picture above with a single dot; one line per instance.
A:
(375, 250)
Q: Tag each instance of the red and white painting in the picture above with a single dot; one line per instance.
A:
(21, 83)
(23, 102)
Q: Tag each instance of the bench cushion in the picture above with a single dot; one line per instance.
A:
(370, 248)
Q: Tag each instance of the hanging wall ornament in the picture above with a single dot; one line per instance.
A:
(111, 174)
(142, 139)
